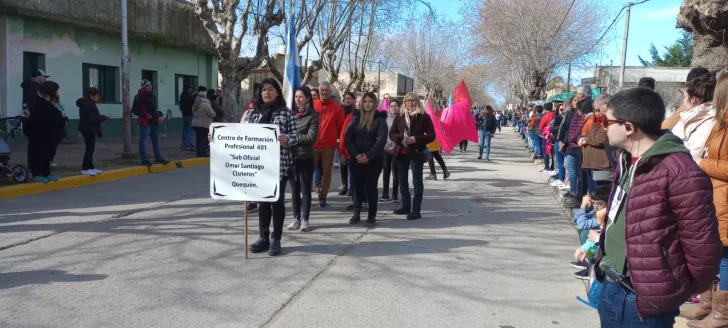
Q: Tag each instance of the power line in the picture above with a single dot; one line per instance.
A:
(616, 19)
(562, 21)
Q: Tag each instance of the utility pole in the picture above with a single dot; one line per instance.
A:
(624, 46)
(125, 101)
(568, 79)
(379, 79)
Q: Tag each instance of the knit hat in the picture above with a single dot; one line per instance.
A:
(145, 82)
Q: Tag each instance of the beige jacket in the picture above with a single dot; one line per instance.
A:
(694, 128)
(202, 112)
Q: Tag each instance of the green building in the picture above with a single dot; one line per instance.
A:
(78, 43)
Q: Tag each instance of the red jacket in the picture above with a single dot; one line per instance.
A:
(342, 144)
(331, 122)
(546, 120)
(671, 232)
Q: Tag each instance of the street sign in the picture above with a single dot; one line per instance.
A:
(244, 162)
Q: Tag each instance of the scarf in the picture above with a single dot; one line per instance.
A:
(302, 110)
(55, 102)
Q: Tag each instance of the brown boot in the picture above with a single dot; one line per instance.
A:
(718, 317)
(703, 309)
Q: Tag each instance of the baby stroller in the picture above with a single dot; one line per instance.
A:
(18, 172)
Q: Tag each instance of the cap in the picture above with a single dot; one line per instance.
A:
(39, 72)
(145, 82)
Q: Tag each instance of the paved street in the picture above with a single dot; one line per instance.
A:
(155, 251)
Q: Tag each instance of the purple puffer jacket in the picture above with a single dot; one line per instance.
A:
(577, 124)
(673, 245)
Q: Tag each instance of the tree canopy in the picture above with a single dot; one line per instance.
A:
(679, 54)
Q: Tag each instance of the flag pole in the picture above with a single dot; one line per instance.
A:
(245, 227)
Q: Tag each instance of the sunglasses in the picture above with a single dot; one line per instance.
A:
(607, 123)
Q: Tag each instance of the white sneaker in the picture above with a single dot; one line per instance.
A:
(295, 225)
(53, 164)
(564, 187)
(554, 173)
(98, 171)
(557, 183)
(88, 172)
(304, 226)
(544, 171)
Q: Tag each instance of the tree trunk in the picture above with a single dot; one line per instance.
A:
(707, 21)
(230, 90)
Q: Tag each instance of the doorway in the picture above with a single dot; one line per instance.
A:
(152, 77)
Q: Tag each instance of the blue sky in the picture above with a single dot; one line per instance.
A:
(650, 22)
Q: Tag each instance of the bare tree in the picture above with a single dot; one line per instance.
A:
(229, 22)
(707, 22)
(528, 40)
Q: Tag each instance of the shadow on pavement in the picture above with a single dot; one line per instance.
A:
(16, 279)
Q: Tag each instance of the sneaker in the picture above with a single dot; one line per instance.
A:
(295, 225)
(385, 199)
(304, 226)
(370, 222)
(275, 247)
(322, 202)
(89, 172)
(431, 177)
(146, 162)
(401, 211)
(487, 159)
(554, 173)
(260, 246)
(336, 166)
(556, 183)
(161, 161)
(40, 179)
(350, 207)
(414, 216)
(564, 187)
(395, 199)
(52, 178)
(344, 190)
(446, 174)
(98, 171)
(355, 219)
(579, 265)
(183, 148)
(252, 206)
(582, 274)
(566, 195)
(480, 157)
(53, 164)
(350, 193)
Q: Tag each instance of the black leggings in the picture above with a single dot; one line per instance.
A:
(302, 183)
(436, 155)
(201, 141)
(344, 171)
(463, 145)
(366, 178)
(40, 154)
(390, 168)
(275, 211)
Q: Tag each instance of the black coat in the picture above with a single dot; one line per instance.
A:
(30, 92)
(487, 122)
(89, 117)
(186, 100)
(370, 142)
(46, 122)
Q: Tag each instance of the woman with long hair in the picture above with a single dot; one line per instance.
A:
(696, 122)
(270, 108)
(366, 136)
(715, 163)
(45, 128)
(307, 121)
(411, 131)
(390, 165)
(487, 125)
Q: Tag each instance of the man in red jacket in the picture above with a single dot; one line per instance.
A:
(331, 121)
(662, 235)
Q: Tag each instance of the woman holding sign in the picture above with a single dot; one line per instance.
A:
(303, 165)
(270, 108)
(365, 138)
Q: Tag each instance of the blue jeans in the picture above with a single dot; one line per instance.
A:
(559, 161)
(153, 132)
(318, 175)
(590, 183)
(724, 270)
(404, 162)
(536, 140)
(573, 166)
(187, 132)
(484, 138)
(618, 309)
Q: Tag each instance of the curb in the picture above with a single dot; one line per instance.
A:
(81, 180)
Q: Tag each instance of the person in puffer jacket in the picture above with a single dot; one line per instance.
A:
(662, 233)
(202, 116)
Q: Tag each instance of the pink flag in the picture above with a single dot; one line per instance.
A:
(457, 119)
(440, 133)
(384, 104)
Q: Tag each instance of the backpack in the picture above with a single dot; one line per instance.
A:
(136, 107)
(535, 129)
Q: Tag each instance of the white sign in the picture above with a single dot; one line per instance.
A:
(244, 162)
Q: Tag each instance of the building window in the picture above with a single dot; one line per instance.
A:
(105, 78)
(180, 81)
(32, 61)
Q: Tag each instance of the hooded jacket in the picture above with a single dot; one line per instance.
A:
(148, 108)
(694, 127)
(308, 128)
(368, 141)
(331, 122)
(670, 234)
(89, 117)
(202, 112)
(186, 100)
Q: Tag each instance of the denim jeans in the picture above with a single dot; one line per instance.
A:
(536, 140)
(724, 270)
(484, 138)
(559, 161)
(618, 309)
(153, 132)
(573, 166)
(590, 183)
(404, 162)
(187, 132)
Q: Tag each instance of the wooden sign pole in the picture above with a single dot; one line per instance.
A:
(245, 228)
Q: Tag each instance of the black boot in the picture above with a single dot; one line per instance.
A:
(370, 222)
(401, 211)
(445, 175)
(261, 245)
(275, 247)
(414, 216)
(355, 218)
(344, 190)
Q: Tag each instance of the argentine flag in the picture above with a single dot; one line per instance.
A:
(292, 74)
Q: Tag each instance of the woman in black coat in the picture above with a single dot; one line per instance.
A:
(47, 125)
(365, 138)
(89, 124)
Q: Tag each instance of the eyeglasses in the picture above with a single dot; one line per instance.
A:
(607, 123)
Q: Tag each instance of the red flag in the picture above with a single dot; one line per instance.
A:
(440, 133)
(457, 119)
(461, 94)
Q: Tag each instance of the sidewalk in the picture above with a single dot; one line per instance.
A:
(106, 157)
